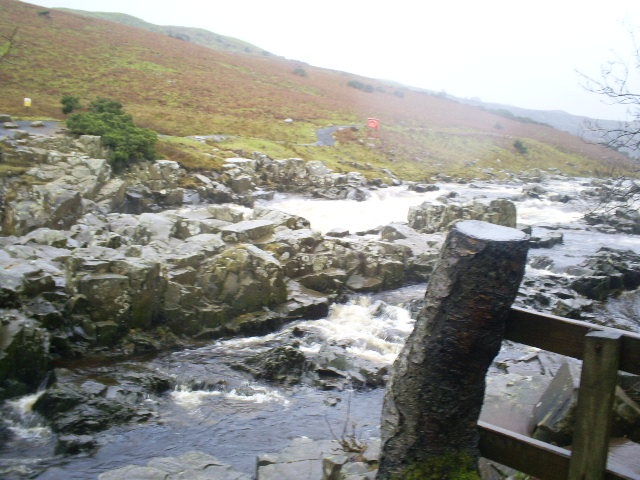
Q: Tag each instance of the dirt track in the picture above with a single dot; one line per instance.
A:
(48, 128)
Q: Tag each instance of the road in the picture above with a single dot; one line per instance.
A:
(48, 128)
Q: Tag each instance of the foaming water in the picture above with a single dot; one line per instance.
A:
(189, 399)
(369, 329)
(535, 211)
(383, 207)
(22, 421)
(24, 431)
(392, 204)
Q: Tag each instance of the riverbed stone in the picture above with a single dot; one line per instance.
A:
(301, 460)
(284, 364)
(24, 354)
(331, 280)
(304, 302)
(546, 240)
(74, 444)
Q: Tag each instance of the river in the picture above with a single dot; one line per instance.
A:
(222, 411)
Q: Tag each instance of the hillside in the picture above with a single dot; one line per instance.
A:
(267, 103)
(198, 36)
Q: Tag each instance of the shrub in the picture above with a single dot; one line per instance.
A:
(301, 72)
(70, 103)
(126, 142)
(365, 87)
(520, 147)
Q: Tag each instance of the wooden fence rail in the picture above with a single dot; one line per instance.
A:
(603, 352)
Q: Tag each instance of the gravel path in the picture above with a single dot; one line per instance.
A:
(47, 128)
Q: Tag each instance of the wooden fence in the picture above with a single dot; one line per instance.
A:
(603, 351)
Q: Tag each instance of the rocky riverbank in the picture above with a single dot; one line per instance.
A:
(99, 265)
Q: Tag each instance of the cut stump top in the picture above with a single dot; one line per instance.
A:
(489, 231)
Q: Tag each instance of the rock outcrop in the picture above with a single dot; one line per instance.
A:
(89, 258)
(437, 217)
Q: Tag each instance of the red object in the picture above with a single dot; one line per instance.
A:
(373, 123)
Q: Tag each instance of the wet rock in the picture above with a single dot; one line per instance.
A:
(86, 407)
(597, 287)
(280, 219)
(335, 368)
(607, 272)
(307, 302)
(534, 191)
(360, 283)
(306, 459)
(615, 217)
(58, 198)
(247, 231)
(575, 308)
(24, 354)
(190, 465)
(423, 187)
(326, 281)
(338, 233)
(541, 262)
(284, 364)
(609, 261)
(546, 240)
(301, 460)
(74, 444)
(243, 277)
(219, 322)
(435, 217)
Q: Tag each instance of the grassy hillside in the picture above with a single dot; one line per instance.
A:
(181, 89)
(198, 36)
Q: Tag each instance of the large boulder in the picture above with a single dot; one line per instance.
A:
(437, 217)
(115, 292)
(244, 277)
(606, 272)
(56, 193)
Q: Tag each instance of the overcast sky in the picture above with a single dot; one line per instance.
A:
(518, 52)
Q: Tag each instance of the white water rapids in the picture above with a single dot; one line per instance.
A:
(235, 418)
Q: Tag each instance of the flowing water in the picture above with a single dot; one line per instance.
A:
(222, 411)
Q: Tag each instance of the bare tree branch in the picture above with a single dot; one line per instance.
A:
(614, 85)
(618, 84)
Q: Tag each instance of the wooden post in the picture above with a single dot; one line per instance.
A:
(434, 396)
(598, 382)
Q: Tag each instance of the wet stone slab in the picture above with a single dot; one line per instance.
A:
(191, 466)
(306, 459)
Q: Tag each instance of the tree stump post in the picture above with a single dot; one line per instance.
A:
(435, 394)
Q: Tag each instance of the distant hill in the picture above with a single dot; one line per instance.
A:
(198, 36)
(592, 130)
(266, 103)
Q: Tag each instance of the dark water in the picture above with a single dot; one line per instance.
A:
(230, 415)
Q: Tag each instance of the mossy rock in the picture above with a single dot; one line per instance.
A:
(448, 466)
